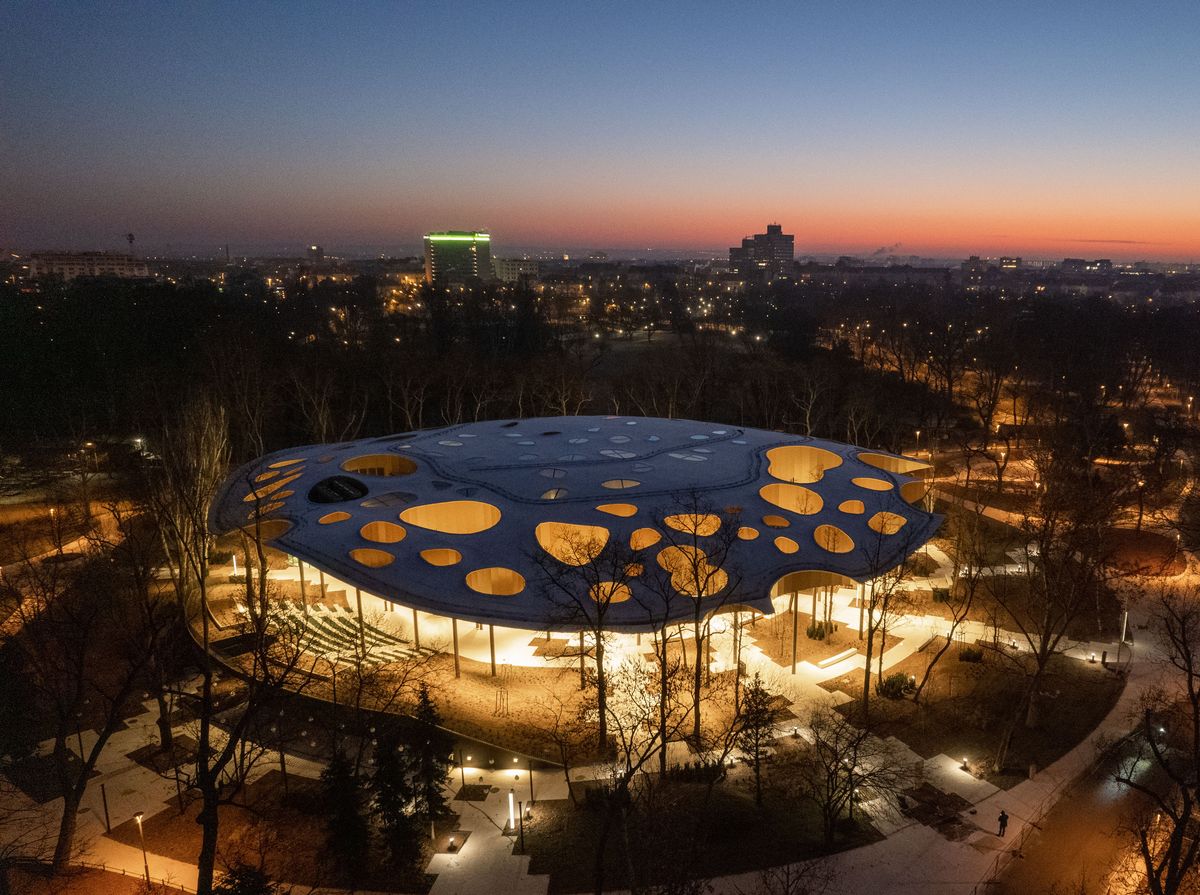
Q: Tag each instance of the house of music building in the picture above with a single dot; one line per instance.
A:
(490, 539)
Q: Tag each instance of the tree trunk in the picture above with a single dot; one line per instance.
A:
(66, 830)
(165, 736)
(697, 683)
(601, 695)
(206, 864)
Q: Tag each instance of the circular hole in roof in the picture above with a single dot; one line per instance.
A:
(331, 518)
(526, 443)
(886, 523)
(261, 512)
(832, 539)
(773, 521)
(467, 435)
(372, 558)
(654, 438)
(794, 498)
(496, 581)
(801, 463)
(631, 422)
(698, 524)
(720, 431)
(643, 538)
(513, 435)
(854, 507)
(509, 424)
(279, 464)
(551, 433)
(574, 545)
(786, 545)
(529, 457)
(380, 465)
(620, 439)
(572, 458)
(738, 441)
(336, 489)
(704, 450)
(456, 517)
(695, 458)
(618, 509)
(619, 484)
(441, 556)
(554, 494)
(746, 533)
(692, 571)
(552, 473)
(449, 443)
(577, 441)
(268, 529)
(606, 592)
(594, 429)
(699, 438)
(890, 463)
(266, 476)
(382, 532)
(914, 492)
(260, 492)
(872, 484)
(619, 455)
(390, 499)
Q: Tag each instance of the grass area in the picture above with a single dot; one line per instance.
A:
(675, 834)
(283, 826)
(1009, 497)
(965, 706)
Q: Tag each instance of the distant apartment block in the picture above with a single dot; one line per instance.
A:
(69, 265)
(458, 256)
(767, 254)
(513, 270)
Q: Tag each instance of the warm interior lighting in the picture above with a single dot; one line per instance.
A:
(372, 558)
(801, 463)
(453, 517)
(496, 581)
(572, 544)
(794, 498)
(441, 556)
(382, 532)
(380, 465)
(833, 539)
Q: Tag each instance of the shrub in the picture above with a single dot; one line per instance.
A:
(894, 686)
(970, 654)
(941, 595)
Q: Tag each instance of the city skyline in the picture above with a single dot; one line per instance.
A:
(1043, 132)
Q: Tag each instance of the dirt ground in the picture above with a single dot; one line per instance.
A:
(1144, 552)
(965, 706)
(82, 881)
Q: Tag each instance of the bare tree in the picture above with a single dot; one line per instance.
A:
(68, 629)
(839, 762)
(194, 454)
(585, 572)
(1168, 741)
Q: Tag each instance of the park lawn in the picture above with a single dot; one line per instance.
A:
(285, 831)
(679, 837)
(965, 706)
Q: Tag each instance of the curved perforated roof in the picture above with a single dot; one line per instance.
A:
(453, 521)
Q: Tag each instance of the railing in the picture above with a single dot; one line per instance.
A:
(139, 874)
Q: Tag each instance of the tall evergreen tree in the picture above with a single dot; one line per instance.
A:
(348, 832)
(393, 801)
(430, 750)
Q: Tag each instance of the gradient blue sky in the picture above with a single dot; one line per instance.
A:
(941, 127)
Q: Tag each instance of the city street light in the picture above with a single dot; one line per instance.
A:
(142, 839)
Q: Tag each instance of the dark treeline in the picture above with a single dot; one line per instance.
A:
(109, 358)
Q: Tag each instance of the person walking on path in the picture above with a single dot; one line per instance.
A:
(1003, 822)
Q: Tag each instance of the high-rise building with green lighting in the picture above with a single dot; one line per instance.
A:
(458, 256)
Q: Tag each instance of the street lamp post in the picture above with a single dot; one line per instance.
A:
(142, 838)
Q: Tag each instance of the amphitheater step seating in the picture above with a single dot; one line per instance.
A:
(334, 633)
